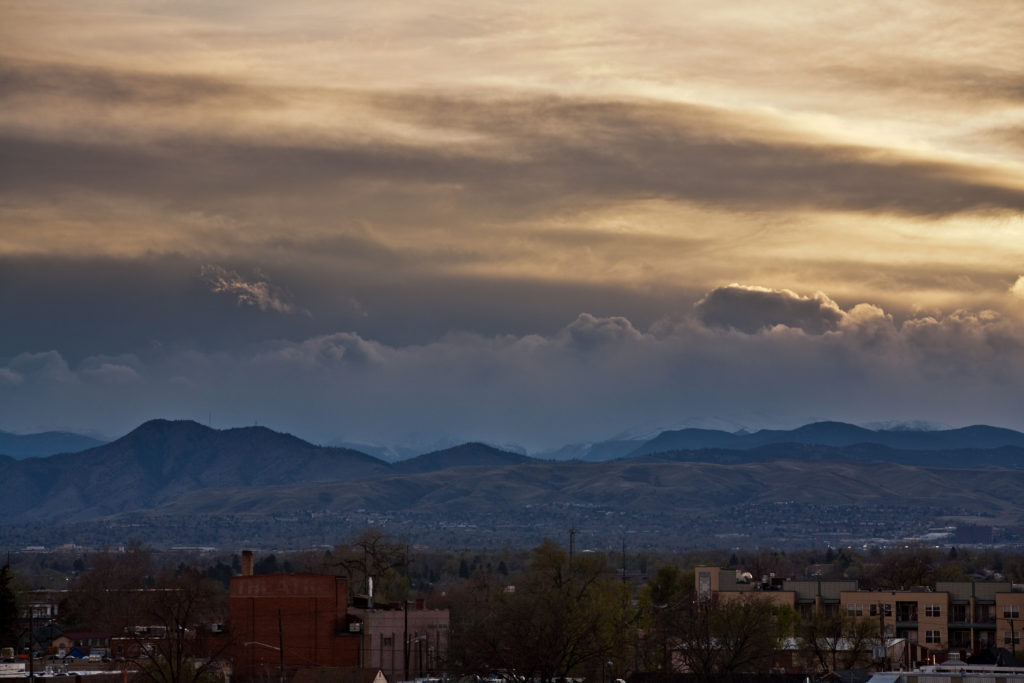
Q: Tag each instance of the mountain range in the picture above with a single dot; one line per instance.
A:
(179, 482)
(837, 434)
(827, 433)
(44, 443)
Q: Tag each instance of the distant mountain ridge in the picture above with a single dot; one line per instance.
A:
(1003, 457)
(44, 444)
(181, 478)
(472, 454)
(837, 434)
(163, 459)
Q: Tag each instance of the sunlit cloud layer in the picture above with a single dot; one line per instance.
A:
(509, 220)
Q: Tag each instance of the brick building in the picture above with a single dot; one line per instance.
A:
(284, 622)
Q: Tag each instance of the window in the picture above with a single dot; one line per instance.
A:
(1011, 637)
(932, 610)
(704, 586)
(1011, 612)
(932, 637)
(854, 609)
(884, 608)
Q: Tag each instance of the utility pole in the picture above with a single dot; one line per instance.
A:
(405, 639)
(31, 632)
(280, 645)
(881, 633)
(623, 559)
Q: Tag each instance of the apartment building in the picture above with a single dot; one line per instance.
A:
(962, 616)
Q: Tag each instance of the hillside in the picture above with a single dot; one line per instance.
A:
(43, 444)
(162, 460)
(836, 434)
(1004, 457)
(178, 482)
(466, 455)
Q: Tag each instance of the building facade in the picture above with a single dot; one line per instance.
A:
(406, 642)
(960, 616)
(283, 622)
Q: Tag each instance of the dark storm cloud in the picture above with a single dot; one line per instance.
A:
(155, 302)
(751, 309)
(87, 307)
(588, 332)
(528, 151)
(701, 154)
(960, 85)
(110, 88)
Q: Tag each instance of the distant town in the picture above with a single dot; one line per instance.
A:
(376, 609)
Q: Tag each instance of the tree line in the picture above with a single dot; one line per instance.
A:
(544, 614)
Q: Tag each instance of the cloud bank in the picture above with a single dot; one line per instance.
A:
(747, 355)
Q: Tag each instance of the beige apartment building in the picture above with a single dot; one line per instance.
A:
(963, 616)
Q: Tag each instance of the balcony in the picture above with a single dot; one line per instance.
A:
(906, 618)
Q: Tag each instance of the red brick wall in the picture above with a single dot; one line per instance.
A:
(304, 613)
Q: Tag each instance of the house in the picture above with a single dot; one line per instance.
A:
(86, 642)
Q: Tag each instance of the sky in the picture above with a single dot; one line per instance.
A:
(527, 223)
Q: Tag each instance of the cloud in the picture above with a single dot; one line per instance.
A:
(48, 366)
(751, 309)
(445, 225)
(592, 378)
(588, 332)
(258, 292)
(111, 371)
(1018, 288)
(526, 152)
(333, 349)
(8, 376)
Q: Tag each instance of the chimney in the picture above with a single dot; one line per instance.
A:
(246, 563)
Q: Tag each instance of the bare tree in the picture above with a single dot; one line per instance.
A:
(172, 642)
(720, 640)
(374, 554)
(105, 596)
(560, 618)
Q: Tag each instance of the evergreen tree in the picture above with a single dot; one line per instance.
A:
(8, 608)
